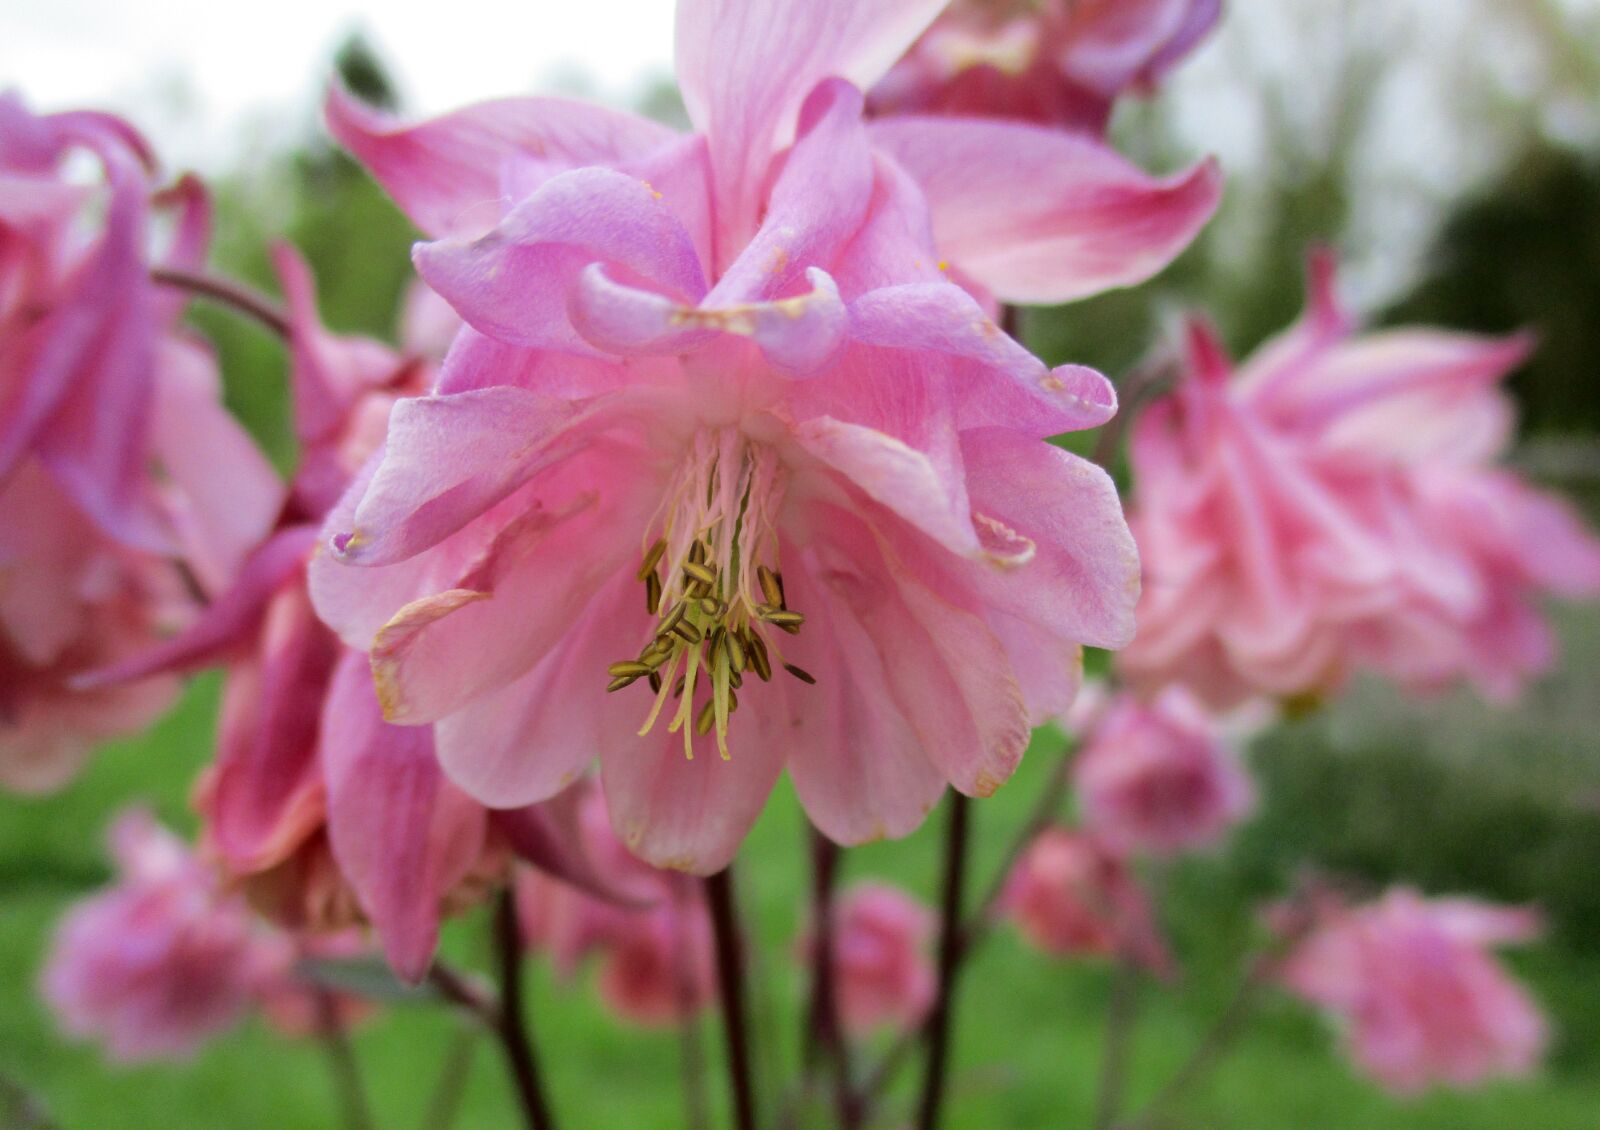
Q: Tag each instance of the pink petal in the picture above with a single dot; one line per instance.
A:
(448, 174)
(513, 283)
(532, 738)
(997, 382)
(446, 461)
(798, 335)
(744, 73)
(1083, 580)
(857, 763)
(402, 835)
(441, 652)
(1043, 216)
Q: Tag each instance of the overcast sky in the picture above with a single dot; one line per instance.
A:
(194, 72)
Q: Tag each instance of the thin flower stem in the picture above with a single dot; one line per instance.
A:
(445, 1105)
(1213, 1045)
(458, 990)
(1120, 1016)
(356, 1111)
(981, 921)
(934, 1083)
(512, 1029)
(824, 1038)
(730, 986)
(228, 293)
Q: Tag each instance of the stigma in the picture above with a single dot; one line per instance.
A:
(712, 589)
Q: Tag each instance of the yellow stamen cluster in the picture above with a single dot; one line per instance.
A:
(710, 620)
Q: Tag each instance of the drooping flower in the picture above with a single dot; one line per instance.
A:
(1057, 62)
(883, 971)
(1420, 1000)
(1159, 778)
(1072, 896)
(161, 961)
(117, 458)
(327, 816)
(1335, 505)
(647, 929)
(720, 428)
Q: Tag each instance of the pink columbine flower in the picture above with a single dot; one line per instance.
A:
(1057, 62)
(722, 437)
(1335, 505)
(159, 962)
(1419, 998)
(883, 972)
(115, 451)
(648, 929)
(1160, 777)
(1072, 896)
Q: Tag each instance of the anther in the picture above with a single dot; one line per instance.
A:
(711, 606)
(771, 586)
(652, 558)
(759, 661)
(783, 618)
(655, 682)
(621, 681)
(800, 673)
(699, 572)
(686, 631)
(652, 593)
(628, 668)
(706, 718)
(673, 617)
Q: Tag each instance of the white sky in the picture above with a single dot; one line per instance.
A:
(201, 75)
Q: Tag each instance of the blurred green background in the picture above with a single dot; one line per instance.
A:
(1448, 794)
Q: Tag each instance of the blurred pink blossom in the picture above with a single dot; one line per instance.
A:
(1072, 896)
(1335, 505)
(735, 355)
(162, 960)
(1159, 777)
(883, 972)
(1420, 1000)
(117, 459)
(1056, 62)
(650, 932)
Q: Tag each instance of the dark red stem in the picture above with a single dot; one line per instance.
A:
(940, 1020)
(730, 985)
(511, 1024)
(235, 295)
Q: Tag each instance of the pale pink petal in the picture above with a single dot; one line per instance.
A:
(1040, 216)
(744, 73)
(448, 174)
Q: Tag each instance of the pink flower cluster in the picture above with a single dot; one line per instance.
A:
(165, 959)
(1420, 1000)
(117, 458)
(1335, 505)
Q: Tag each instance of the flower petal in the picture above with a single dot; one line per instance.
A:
(402, 835)
(513, 283)
(1044, 216)
(745, 71)
(448, 174)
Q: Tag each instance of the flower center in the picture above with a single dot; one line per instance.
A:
(711, 584)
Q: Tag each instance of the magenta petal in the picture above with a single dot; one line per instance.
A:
(448, 174)
(226, 622)
(267, 786)
(1007, 386)
(402, 835)
(446, 461)
(513, 283)
(798, 335)
(1044, 216)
